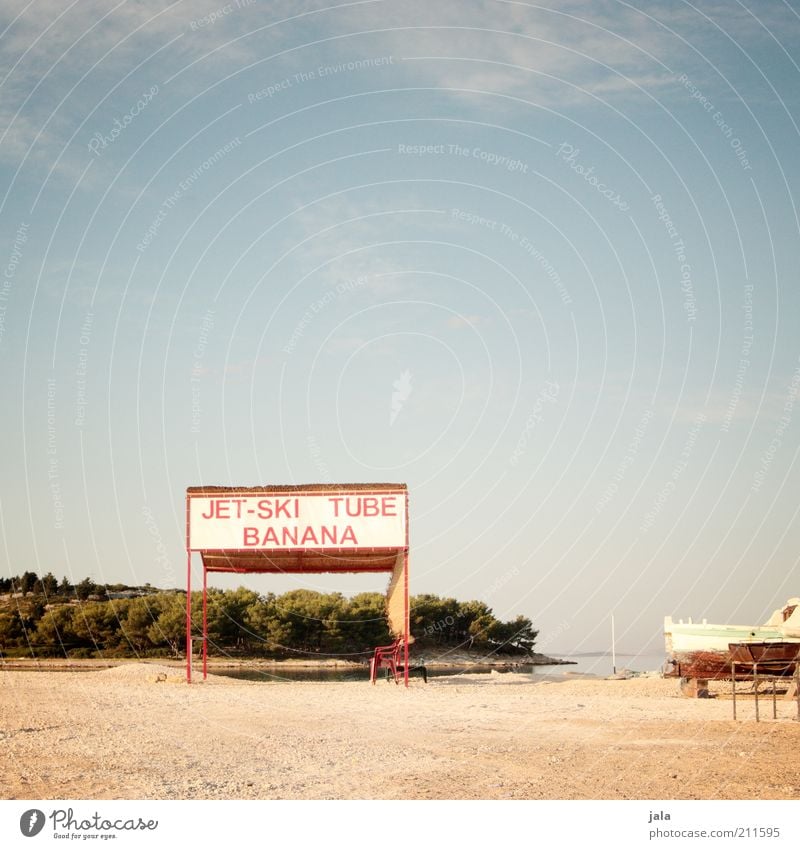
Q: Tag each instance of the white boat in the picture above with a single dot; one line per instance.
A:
(700, 649)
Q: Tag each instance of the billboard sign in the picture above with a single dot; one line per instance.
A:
(331, 519)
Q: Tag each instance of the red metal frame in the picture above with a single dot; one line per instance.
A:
(188, 613)
(245, 570)
(205, 622)
(407, 621)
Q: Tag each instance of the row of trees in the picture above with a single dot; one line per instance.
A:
(49, 587)
(242, 622)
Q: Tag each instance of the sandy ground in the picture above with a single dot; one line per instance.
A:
(121, 733)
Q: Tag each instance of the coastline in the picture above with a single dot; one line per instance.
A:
(457, 660)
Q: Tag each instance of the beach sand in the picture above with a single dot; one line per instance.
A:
(122, 733)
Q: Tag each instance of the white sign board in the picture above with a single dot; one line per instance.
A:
(250, 521)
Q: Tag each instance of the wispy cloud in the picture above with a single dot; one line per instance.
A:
(59, 62)
(402, 388)
(519, 49)
(459, 321)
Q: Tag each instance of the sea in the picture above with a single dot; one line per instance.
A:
(601, 663)
(582, 665)
(598, 664)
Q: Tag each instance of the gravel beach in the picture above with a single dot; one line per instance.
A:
(138, 731)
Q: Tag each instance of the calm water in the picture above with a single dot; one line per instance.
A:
(311, 674)
(595, 663)
(586, 663)
(599, 663)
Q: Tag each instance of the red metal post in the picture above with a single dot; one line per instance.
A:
(188, 616)
(205, 626)
(406, 623)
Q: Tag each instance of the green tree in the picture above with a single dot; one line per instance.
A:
(49, 585)
(54, 630)
(84, 589)
(519, 633)
(27, 582)
(170, 628)
(312, 618)
(270, 632)
(363, 623)
(11, 630)
(31, 612)
(96, 625)
(473, 622)
(226, 616)
(434, 620)
(140, 615)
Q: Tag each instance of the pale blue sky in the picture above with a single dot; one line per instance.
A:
(229, 230)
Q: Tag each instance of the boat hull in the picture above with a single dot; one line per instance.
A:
(707, 665)
(765, 654)
(703, 650)
(711, 665)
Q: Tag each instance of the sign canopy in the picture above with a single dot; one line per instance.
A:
(308, 528)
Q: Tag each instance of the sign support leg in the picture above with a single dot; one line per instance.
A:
(188, 616)
(205, 624)
(406, 618)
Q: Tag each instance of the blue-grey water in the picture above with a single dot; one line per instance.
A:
(585, 664)
(600, 663)
(597, 664)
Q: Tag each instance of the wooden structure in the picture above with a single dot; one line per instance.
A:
(306, 529)
(765, 661)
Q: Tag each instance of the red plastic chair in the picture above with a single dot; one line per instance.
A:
(386, 657)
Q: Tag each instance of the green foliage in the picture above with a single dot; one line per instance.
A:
(169, 629)
(54, 629)
(300, 622)
(27, 582)
(227, 612)
(362, 623)
(49, 585)
(470, 624)
(269, 633)
(11, 630)
(140, 616)
(96, 625)
(84, 589)
(312, 619)
(518, 633)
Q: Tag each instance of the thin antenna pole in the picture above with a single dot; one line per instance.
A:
(613, 649)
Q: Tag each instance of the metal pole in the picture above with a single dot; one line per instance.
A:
(407, 624)
(797, 686)
(733, 686)
(205, 626)
(613, 648)
(755, 686)
(188, 616)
